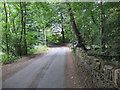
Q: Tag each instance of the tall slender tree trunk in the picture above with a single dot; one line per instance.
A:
(23, 31)
(24, 28)
(22, 24)
(63, 36)
(44, 34)
(75, 29)
(6, 29)
(102, 31)
(62, 26)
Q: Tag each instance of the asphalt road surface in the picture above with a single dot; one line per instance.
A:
(46, 72)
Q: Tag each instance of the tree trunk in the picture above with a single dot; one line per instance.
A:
(6, 30)
(63, 36)
(24, 28)
(20, 46)
(23, 31)
(102, 31)
(75, 29)
(44, 34)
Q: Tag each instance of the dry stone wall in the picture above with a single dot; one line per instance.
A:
(94, 73)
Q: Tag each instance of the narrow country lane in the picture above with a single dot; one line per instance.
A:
(46, 72)
(60, 44)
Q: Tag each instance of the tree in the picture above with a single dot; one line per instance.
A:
(6, 29)
(75, 29)
(27, 24)
(102, 23)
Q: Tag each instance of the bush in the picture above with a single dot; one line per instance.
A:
(5, 59)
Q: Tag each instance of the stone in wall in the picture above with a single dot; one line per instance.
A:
(99, 74)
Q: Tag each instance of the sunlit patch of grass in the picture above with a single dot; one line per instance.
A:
(4, 59)
(2, 56)
(38, 49)
(41, 48)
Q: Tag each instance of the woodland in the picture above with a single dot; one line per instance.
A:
(93, 26)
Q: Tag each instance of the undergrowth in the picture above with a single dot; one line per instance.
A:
(4, 59)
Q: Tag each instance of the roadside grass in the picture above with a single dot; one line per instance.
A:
(38, 49)
(4, 59)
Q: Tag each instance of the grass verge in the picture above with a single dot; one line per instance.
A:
(4, 59)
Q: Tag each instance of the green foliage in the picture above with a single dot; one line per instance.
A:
(5, 59)
(112, 63)
(38, 49)
(37, 23)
